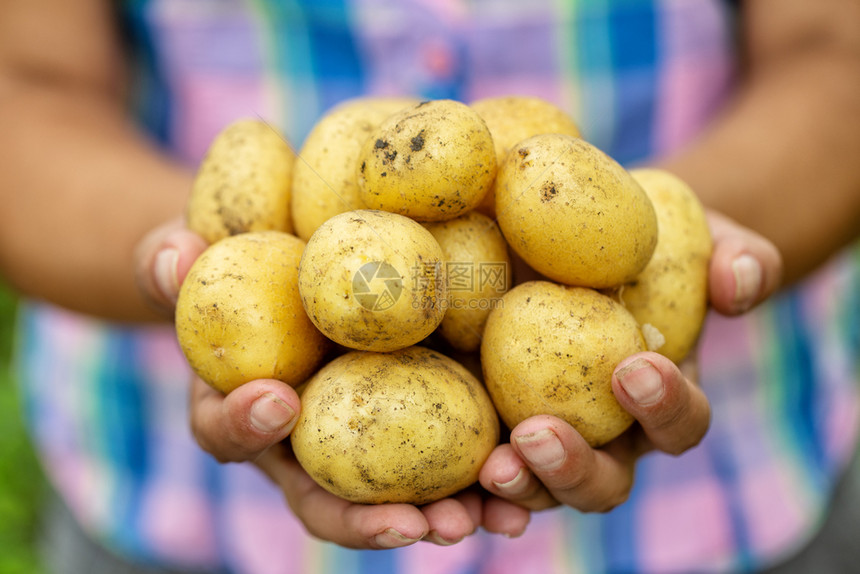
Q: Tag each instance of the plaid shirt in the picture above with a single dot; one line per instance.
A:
(107, 404)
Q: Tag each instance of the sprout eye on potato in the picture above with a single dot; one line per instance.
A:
(388, 195)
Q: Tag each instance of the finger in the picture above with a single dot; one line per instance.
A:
(162, 261)
(673, 412)
(451, 519)
(507, 476)
(334, 519)
(745, 268)
(505, 517)
(575, 474)
(243, 424)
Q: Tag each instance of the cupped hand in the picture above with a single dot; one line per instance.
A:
(548, 463)
(253, 421)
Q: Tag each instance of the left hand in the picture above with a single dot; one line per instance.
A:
(253, 421)
(229, 428)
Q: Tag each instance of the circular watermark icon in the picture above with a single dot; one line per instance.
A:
(377, 286)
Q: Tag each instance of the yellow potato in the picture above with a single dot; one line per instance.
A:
(239, 316)
(551, 349)
(324, 178)
(573, 213)
(479, 273)
(373, 280)
(431, 162)
(512, 119)
(243, 183)
(671, 293)
(412, 426)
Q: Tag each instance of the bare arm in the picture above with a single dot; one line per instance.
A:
(79, 185)
(785, 157)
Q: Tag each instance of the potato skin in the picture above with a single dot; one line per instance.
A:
(552, 349)
(373, 280)
(479, 273)
(671, 293)
(243, 184)
(412, 426)
(239, 316)
(573, 213)
(324, 179)
(431, 162)
(511, 119)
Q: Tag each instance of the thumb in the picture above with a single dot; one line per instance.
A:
(162, 260)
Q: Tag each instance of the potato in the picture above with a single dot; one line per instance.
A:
(478, 270)
(324, 179)
(431, 162)
(573, 213)
(373, 281)
(243, 184)
(551, 349)
(239, 316)
(671, 293)
(412, 426)
(512, 119)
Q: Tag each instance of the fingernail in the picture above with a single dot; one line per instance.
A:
(542, 450)
(270, 414)
(166, 278)
(513, 486)
(748, 278)
(393, 539)
(434, 537)
(641, 381)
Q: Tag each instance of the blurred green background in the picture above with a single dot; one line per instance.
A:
(22, 485)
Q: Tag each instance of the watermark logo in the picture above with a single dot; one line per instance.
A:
(377, 286)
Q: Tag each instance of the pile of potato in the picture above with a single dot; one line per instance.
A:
(409, 218)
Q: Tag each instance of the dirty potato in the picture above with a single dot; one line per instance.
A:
(431, 162)
(479, 273)
(243, 184)
(373, 280)
(239, 316)
(324, 178)
(671, 293)
(573, 213)
(552, 349)
(511, 119)
(412, 426)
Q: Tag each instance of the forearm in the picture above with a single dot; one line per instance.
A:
(783, 159)
(79, 188)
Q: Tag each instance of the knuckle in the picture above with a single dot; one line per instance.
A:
(223, 449)
(688, 441)
(577, 477)
(670, 417)
(608, 502)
